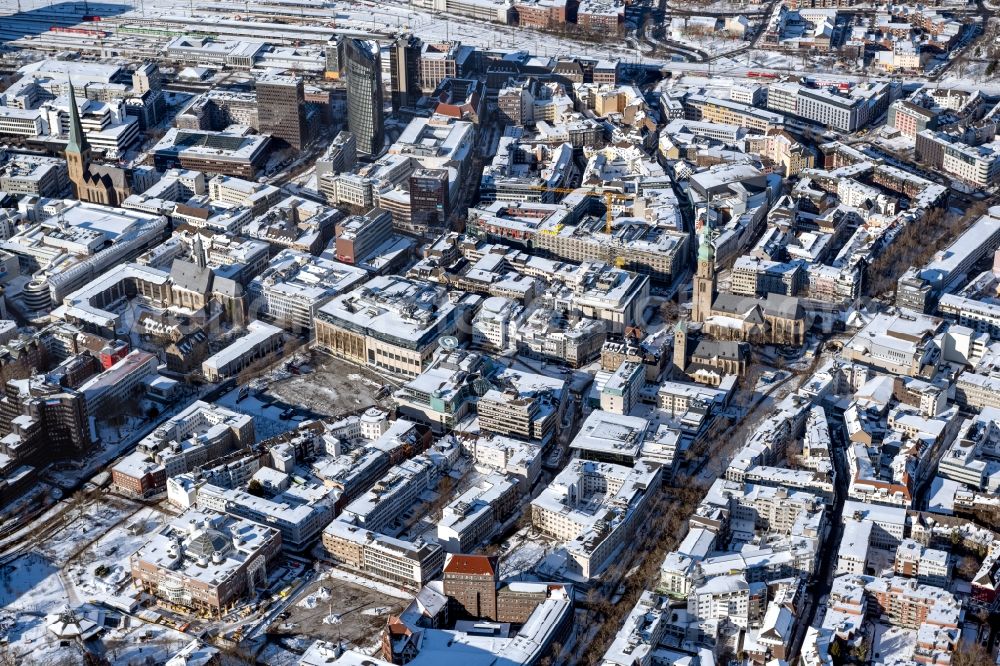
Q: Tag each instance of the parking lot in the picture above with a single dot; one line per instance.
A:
(332, 609)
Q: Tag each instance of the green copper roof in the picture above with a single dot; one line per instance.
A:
(77, 139)
(706, 251)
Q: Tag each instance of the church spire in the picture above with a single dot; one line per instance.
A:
(706, 246)
(199, 251)
(77, 139)
(704, 277)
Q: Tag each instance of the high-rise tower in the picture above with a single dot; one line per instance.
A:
(364, 96)
(281, 109)
(404, 68)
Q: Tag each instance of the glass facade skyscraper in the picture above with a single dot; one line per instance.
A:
(364, 96)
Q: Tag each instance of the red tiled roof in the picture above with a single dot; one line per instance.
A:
(479, 565)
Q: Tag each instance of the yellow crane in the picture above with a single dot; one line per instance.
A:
(609, 198)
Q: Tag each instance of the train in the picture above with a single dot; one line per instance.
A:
(761, 75)
(822, 83)
(79, 31)
(153, 32)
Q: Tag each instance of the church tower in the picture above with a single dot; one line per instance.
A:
(680, 347)
(198, 250)
(77, 150)
(704, 279)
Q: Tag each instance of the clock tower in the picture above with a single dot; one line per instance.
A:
(704, 279)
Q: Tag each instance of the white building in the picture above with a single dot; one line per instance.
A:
(295, 285)
(495, 325)
(299, 513)
(261, 339)
(621, 392)
(594, 508)
(475, 515)
(720, 598)
(512, 457)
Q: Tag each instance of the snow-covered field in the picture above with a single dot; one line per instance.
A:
(112, 551)
(31, 583)
(87, 526)
(84, 561)
(721, 6)
(376, 17)
(147, 644)
(711, 44)
(384, 18)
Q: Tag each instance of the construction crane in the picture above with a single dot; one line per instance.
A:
(609, 198)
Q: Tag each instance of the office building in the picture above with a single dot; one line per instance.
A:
(360, 235)
(475, 515)
(391, 323)
(205, 562)
(197, 435)
(404, 68)
(430, 200)
(295, 284)
(409, 564)
(594, 508)
(364, 96)
(281, 109)
(299, 512)
(470, 583)
(234, 151)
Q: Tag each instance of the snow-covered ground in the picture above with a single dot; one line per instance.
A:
(277, 655)
(713, 45)
(33, 585)
(112, 552)
(267, 421)
(524, 552)
(146, 644)
(310, 601)
(375, 17)
(712, 7)
(325, 386)
(385, 18)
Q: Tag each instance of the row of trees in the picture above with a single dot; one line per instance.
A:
(914, 246)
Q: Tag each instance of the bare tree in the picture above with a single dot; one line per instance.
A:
(972, 654)
(669, 310)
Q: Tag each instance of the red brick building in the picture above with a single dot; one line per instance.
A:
(542, 13)
(470, 583)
